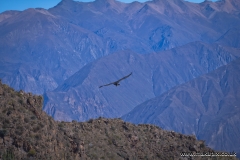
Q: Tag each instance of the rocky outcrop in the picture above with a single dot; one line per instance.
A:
(25, 136)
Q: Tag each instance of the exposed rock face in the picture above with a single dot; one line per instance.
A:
(207, 105)
(24, 135)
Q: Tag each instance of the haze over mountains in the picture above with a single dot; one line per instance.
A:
(207, 105)
(80, 98)
(68, 51)
(76, 33)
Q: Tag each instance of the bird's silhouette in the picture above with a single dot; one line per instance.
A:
(116, 83)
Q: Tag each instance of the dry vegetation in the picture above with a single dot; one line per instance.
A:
(26, 132)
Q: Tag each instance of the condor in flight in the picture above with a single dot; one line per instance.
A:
(116, 83)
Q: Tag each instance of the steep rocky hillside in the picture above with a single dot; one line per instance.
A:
(26, 132)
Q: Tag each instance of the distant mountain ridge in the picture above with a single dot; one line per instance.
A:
(80, 98)
(63, 39)
(7, 14)
(211, 103)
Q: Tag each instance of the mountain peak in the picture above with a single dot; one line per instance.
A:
(228, 5)
(104, 0)
(107, 1)
(65, 2)
(175, 1)
(109, 4)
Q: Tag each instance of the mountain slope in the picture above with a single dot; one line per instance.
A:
(42, 48)
(28, 133)
(211, 103)
(7, 14)
(230, 38)
(80, 98)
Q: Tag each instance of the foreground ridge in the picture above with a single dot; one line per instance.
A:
(26, 132)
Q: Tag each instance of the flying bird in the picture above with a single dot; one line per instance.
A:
(116, 83)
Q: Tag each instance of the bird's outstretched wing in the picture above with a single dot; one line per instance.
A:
(106, 85)
(123, 78)
(116, 82)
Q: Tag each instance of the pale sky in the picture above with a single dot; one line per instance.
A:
(24, 4)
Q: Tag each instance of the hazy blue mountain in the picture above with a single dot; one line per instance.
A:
(7, 14)
(207, 106)
(39, 48)
(80, 98)
(231, 38)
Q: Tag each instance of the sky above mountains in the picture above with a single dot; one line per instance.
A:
(24, 4)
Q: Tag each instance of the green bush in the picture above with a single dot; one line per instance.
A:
(36, 129)
(90, 121)
(202, 145)
(26, 120)
(3, 133)
(18, 132)
(38, 136)
(8, 155)
(31, 153)
(33, 117)
(20, 101)
(60, 125)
